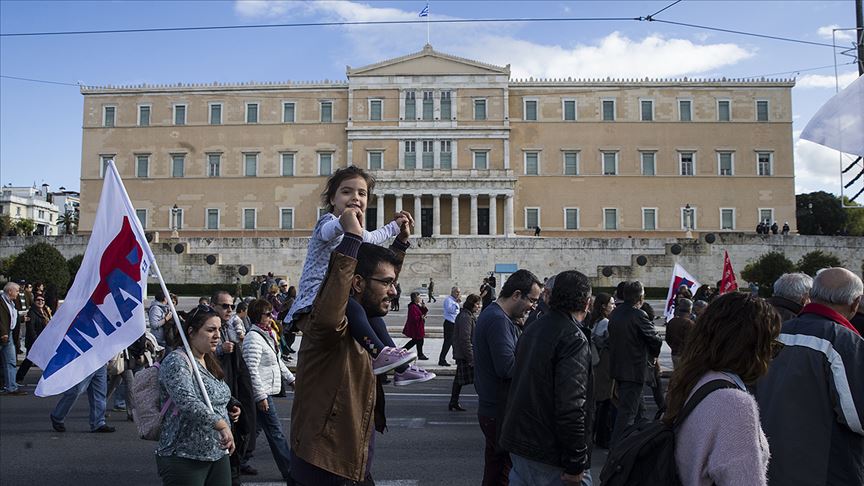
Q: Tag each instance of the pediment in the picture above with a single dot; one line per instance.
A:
(428, 62)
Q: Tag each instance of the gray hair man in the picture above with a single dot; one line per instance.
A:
(8, 322)
(791, 294)
(451, 310)
(820, 370)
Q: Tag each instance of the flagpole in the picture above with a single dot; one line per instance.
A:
(139, 231)
(427, 28)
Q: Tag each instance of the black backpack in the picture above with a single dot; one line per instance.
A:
(645, 456)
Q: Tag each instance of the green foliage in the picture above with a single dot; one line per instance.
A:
(820, 213)
(69, 220)
(767, 269)
(24, 227)
(854, 218)
(42, 262)
(6, 265)
(74, 264)
(7, 227)
(816, 260)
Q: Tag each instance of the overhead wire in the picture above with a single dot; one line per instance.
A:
(741, 32)
(667, 7)
(33, 80)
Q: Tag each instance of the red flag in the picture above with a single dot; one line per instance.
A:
(728, 284)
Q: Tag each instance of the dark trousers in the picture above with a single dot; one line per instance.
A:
(371, 333)
(631, 408)
(449, 330)
(180, 471)
(455, 391)
(603, 423)
(419, 342)
(22, 370)
(16, 336)
(496, 471)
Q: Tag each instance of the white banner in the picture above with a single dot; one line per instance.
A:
(839, 124)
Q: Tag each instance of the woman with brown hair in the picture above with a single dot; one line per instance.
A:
(463, 349)
(721, 441)
(39, 316)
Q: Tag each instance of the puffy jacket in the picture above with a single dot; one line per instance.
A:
(633, 341)
(266, 368)
(548, 412)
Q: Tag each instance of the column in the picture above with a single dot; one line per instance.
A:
(379, 212)
(454, 214)
(493, 214)
(436, 215)
(473, 214)
(418, 220)
(398, 202)
(508, 215)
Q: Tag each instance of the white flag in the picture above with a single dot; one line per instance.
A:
(679, 277)
(103, 312)
(839, 124)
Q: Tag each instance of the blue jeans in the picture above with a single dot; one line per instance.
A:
(269, 422)
(526, 472)
(96, 385)
(7, 352)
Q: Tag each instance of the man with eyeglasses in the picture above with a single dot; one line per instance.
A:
(495, 337)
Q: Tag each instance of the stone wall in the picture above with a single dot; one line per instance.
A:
(464, 261)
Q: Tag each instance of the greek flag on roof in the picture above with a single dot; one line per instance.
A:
(425, 11)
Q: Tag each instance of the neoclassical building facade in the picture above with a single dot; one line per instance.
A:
(465, 148)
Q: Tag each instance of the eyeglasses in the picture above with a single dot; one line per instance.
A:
(40, 300)
(388, 282)
(225, 306)
(532, 299)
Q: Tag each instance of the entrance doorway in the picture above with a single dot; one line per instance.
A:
(482, 221)
(426, 222)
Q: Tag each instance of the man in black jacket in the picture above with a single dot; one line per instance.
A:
(791, 294)
(633, 343)
(546, 423)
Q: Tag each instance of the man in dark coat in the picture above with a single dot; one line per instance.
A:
(791, 293)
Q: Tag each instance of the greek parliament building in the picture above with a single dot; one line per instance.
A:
(465, 148)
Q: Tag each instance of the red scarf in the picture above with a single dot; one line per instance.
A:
(268, 330)
(828, 313)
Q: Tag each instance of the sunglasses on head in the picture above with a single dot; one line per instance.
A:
(200, 308)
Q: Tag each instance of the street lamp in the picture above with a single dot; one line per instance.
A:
(174, 226)
(688, 220)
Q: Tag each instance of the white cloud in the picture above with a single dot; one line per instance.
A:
(842, 35)
(825, 80)
(261, 9)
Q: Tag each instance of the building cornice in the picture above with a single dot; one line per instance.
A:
(722, 82)
(219, 87)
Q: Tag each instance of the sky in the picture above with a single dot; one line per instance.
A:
(40, 123)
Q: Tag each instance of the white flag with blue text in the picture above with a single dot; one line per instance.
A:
(104, 311)
(425, 11)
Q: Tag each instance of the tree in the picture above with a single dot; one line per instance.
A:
(819, 213)
(42, 263)
(74, 264)
(7, 227)
(6, 266)
(767, 269)
(816, 260)
(25, 227)
(69, 220)
(854, 218)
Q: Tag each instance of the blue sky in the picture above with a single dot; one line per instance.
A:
(40, 124)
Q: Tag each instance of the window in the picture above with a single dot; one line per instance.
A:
(571, 163)
(326, 111)
(685, 110)
(103, 167)
(178, 162)
(649, 219)
(250, 165)
(610, 218)
(481, 159)
(286, 218)
(646, 110)
(727, 218)
(766, 214)
(108, 115)
(446, 155)
(610, 163)
(480, 109)
(287, 164)
(142, 166)
(764, 161)
(428, 154)
(142, 217)
(212, 219)
(688, 218)
(569, 110)
(288, 108)
(410, 154)
(252, 113)
(375, 110)
(410, 105)
(686, 161)
(144, 115)
(762, 110)
(649, 162)
(428, 105)
(725, 162)
(530, 107)
(532, 218)
(376, 160)
(179, 114)
(41, 214)
(571, 218)
(215, 113)
(532, 163)
(724, 110)
(608, 110)
(446, 111)
(214, 161)
(325, 163)
(249, 219)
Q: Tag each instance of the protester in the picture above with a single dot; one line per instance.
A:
(547, 423)
(605, 409)
(193, 441)
(158, 316)
(395, 305)
(23, 304)
(289, 329)
(415, 324)
(699, 307)
(96, 385)
(337, 448)
(40, 314)
(451, 310)
(495, 339)
(791, 294)
(120, 380)
(633, 343)
(463, 349)
(721, 442)
(487, 290)
(678, 328)
(267, 372)
(812, 398)
(8, 323)
(542, 307)
(243, 315)
(430, 290)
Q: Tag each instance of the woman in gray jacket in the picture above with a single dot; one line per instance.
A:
(463, 349)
